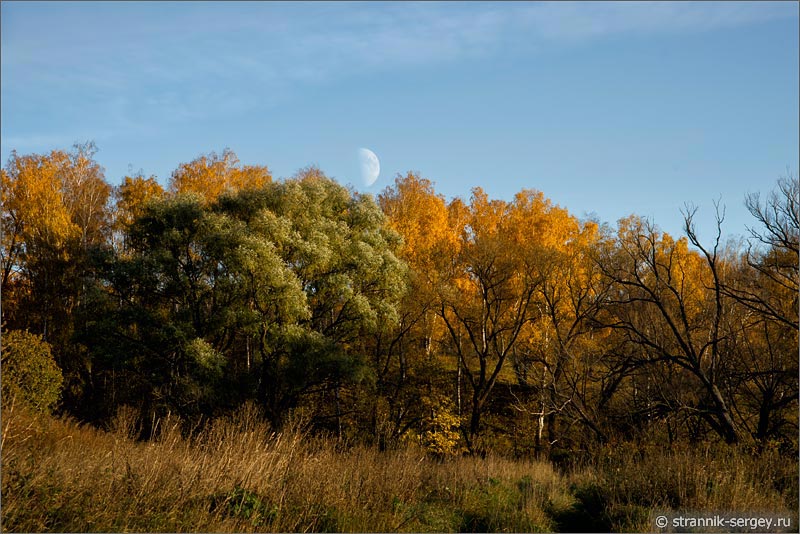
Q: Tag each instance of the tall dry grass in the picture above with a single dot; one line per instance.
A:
(237, 475)
(625, 486)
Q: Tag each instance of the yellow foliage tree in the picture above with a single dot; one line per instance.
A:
(86, 194)
(132, 196)
(212, 174)
(34, 207)
(54, 206)
(419, 214)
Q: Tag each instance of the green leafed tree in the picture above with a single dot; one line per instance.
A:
(266, 293)
(30, 376)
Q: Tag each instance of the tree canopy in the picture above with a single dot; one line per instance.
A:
(460, 324)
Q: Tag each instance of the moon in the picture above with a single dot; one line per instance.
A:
(370, 166)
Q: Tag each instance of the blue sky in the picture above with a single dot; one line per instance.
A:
(608, 108)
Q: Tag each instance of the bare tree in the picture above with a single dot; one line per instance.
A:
(668, 302)
(485, 320)
(765, 285)
(771, 289)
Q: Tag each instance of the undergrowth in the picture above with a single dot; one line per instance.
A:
(238, 475)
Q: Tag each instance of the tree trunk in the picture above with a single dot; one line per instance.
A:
(727, 428)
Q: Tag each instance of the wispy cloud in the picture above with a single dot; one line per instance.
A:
(130, 65)
(574, 22)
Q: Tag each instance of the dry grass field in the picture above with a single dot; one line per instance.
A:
(238, 476)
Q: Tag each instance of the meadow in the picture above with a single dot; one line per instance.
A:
(236, 475)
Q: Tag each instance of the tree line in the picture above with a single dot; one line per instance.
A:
(461, 325)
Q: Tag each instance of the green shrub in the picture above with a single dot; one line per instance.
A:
(30, 375)
(243, 504)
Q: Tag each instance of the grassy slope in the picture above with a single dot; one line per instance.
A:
(238, 476)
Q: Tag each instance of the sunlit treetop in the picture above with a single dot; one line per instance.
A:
(211, 175)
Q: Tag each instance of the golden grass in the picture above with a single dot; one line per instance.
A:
(238, 476)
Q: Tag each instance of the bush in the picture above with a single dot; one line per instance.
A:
(30, 375)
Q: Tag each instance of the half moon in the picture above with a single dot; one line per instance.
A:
(370, 166)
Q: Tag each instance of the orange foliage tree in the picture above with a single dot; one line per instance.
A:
(132, 197)
(211, 175)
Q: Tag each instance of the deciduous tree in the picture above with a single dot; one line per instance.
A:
(212, 174)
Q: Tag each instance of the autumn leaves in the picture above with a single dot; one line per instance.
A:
(458, 324)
